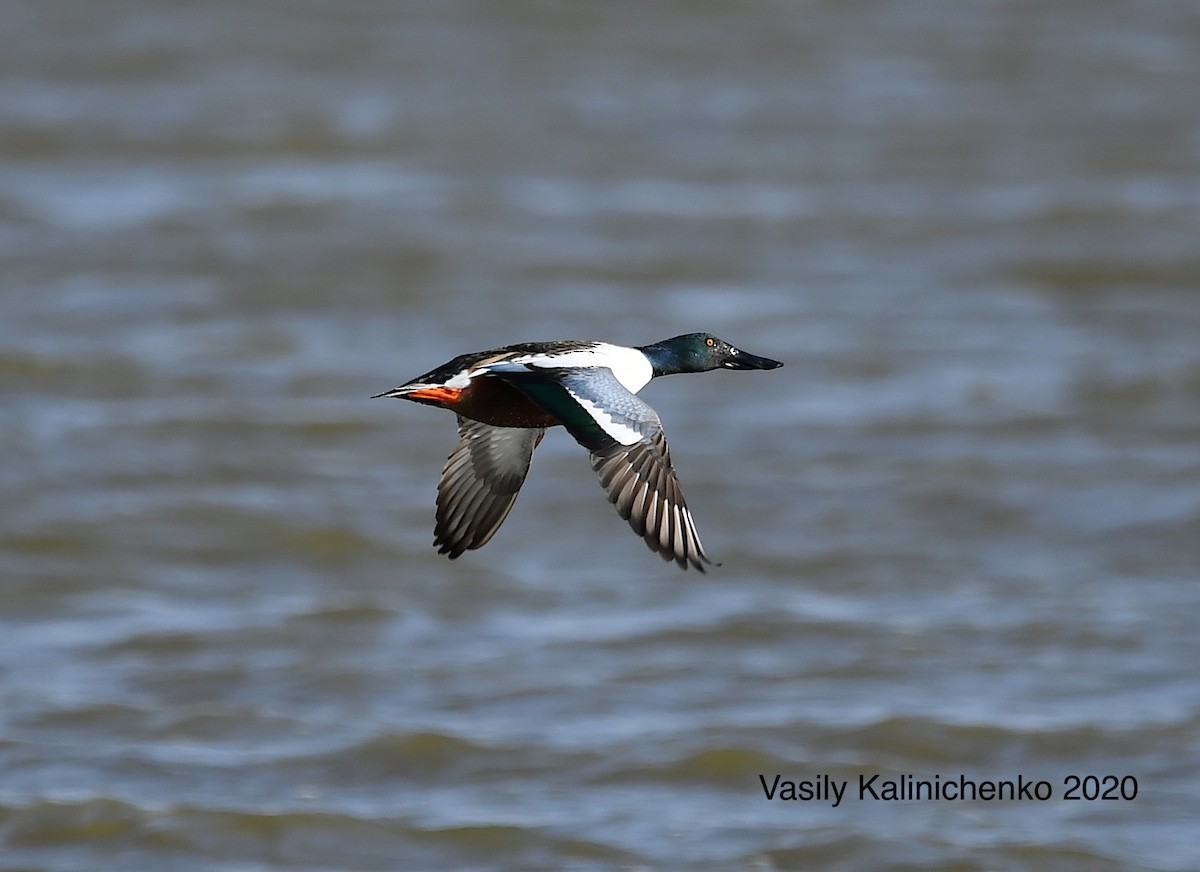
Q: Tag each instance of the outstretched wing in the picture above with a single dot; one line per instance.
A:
(628, 452)
(480, 482)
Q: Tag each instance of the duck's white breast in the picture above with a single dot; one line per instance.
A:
(629, 365)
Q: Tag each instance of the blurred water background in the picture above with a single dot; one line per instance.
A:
(959, 529)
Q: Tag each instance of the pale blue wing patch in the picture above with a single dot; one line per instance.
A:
(591, 403)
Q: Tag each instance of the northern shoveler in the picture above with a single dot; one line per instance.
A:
(505, 398)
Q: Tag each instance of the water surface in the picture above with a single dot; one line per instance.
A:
(958, 528)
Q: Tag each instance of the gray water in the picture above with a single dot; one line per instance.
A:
(959, 528)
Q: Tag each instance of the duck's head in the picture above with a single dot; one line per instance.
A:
(700, 352)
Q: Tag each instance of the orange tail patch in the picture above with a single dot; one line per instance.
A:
(437, 394)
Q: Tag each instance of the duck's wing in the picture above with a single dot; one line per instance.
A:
(480, 482)
(628, 449)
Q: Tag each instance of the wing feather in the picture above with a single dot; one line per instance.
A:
(628, 451)
(642, 485)
(480, 483)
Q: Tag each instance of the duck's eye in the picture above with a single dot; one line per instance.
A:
(710, 342)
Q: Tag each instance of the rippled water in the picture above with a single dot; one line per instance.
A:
(959, 528)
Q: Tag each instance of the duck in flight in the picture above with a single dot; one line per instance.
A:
(506, 398)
